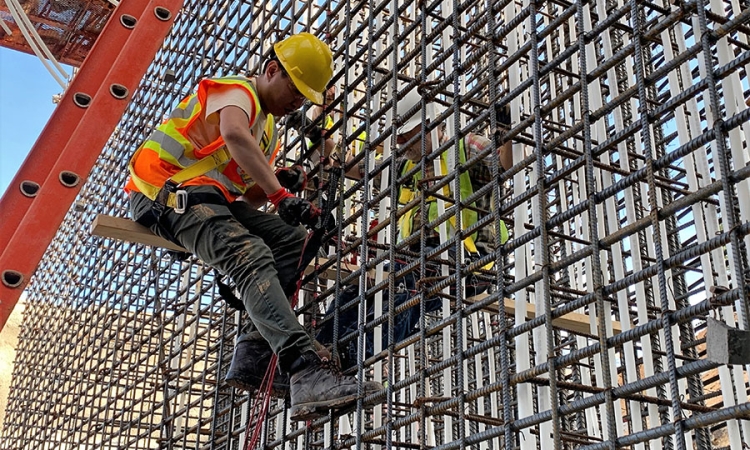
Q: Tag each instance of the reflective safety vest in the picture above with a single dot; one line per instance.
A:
(469, 217)
(169, 154)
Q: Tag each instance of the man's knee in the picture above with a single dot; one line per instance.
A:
(298, 235)
(259, 255)
(251, 259)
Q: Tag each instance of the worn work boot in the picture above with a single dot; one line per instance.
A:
(317, 387)
(249, 365)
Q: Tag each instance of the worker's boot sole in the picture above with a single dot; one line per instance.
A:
(253, 386)
(316, 410)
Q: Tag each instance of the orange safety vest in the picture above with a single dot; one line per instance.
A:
(169, 154)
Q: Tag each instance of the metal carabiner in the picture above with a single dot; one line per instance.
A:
(181, 201)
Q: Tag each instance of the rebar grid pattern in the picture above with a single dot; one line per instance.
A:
(628, 205)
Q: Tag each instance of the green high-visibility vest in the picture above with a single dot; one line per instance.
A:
(469, 217)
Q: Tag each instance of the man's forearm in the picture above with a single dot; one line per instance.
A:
(250, 158)
(245, 149)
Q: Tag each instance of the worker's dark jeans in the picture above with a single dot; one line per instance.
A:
(260, 253)
(405, 324)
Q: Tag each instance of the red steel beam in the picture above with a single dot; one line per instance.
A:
(39, 225)
(65, 118)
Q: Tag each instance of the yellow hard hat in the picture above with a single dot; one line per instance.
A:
(309, 63)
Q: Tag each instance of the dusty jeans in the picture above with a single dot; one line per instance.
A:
(405, 324)
(259, 251)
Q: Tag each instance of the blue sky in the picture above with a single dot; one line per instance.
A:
(26, 90)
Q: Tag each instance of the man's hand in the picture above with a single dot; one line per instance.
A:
(297, 120)
(294, 210)
(293, 178)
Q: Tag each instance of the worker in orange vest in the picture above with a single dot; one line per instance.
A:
(187, 184)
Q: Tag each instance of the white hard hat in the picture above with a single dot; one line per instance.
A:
(410, 100)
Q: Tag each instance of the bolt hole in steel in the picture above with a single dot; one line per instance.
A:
(128, 21)
(118, 91)
(162, 13)
(12, 279)
(81, 99)
(29, 188)
(69, 179)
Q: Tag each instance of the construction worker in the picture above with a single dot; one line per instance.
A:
(479, 244)
(318, 129)
(187, 183)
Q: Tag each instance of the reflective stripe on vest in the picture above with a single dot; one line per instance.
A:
(169, 141)
(468, 217)
(407, 194)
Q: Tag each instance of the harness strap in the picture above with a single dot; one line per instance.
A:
(198, 168)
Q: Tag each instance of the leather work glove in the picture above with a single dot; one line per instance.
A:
(293, 178)
(297, 120)
(294, 210)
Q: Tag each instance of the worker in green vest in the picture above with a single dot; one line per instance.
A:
(410, 152)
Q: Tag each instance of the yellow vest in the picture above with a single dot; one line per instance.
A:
(468, 217)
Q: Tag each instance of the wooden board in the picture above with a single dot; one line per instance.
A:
(575, 322)
(128, 230)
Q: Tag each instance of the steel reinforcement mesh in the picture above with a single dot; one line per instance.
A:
(627, 205)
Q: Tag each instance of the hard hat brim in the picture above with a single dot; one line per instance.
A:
(410, 124)
(309, 93)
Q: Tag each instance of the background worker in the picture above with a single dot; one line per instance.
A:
(476, 245)
(184, 182)
(317, 130)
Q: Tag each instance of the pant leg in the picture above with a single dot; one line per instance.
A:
(405, 322)
(285, 242)
(348, 319)
(348, 322)
(213, 234)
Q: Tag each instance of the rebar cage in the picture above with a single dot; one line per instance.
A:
(627, 203)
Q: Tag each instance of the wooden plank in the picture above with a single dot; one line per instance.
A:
(330, 272)
(128, 230)
(575, 322)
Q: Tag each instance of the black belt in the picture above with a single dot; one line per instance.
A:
(193, 198)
